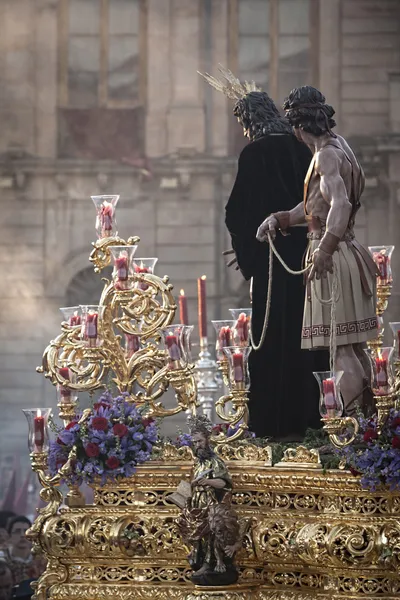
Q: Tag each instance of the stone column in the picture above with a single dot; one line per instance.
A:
(46, 78)
(330, 53)
(158, 76)
(220, 117)
(186, 114)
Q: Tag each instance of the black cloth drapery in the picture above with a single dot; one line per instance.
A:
(284, 394)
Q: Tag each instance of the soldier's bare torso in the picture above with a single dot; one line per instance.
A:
(350, 172)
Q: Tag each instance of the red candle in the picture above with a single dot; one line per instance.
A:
(121, 265)
(132, 343)
(242, 328)
(201, 288)
(328, 386)
(224, 337)
(138, 269)
(106, 216)
(382, 262)
(238, 367)
(381, 375)
(183, 309)
(91, 328)
(75, 320)
(38, 430)
(172, 347)
(65, 392)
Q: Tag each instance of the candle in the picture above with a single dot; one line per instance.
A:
(132, 344)
(138, 269)
(381, 375)
(328, 386)
(382, 262)
(183, 309)
(91, 328)
(75, 319)
(106, 217)
(173, 347)
(242, 329)
(224, 337)
(238, 367)
(38, 430)
(65, 392)
(201, 288)
(121, 265)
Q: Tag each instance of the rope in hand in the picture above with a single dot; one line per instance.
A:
(332, 302)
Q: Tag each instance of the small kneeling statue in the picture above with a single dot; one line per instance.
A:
(208, 523)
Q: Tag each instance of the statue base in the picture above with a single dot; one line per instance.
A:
(239, 591)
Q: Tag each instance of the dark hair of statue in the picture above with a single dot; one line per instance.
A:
(259, 116)
(306, 109)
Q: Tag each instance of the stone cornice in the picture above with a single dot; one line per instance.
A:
(159, 167)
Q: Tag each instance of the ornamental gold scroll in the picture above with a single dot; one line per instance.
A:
(141, 311)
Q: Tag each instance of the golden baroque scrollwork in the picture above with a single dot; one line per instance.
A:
(300, 457)
(145, 376)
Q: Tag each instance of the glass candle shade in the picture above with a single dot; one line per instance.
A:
(395, 327)
(241, 329)
(105, 220)
(38, 434)
(123, 266)
(177, 344)
(225, 337)
(382, 373)
(382, 256)
(64, 393)
(238, 358)
(91, 318)
(72, 315)
(144, 266)
(330, 401)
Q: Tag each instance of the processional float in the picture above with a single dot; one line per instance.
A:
(312, 533)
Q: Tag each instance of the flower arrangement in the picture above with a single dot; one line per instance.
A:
(110, 443)
(376, 457)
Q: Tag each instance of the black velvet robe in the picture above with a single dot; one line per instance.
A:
(284, 394)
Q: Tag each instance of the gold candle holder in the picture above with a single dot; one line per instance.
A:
(384, 404)
(334, 426)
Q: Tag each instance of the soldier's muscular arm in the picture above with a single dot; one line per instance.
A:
(333, 191)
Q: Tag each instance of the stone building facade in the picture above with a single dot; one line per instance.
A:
(94, 93)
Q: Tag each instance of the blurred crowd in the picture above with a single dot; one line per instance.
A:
(18, 567)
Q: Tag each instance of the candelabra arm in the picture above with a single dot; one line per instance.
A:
(239, 412)
(100, 255)
(383, 405)
(334, 426)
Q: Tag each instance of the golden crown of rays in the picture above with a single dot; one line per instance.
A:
(231, 86)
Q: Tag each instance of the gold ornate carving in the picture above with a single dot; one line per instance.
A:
(300, 457)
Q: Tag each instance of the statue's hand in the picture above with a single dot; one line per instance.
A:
(202, 481)
(230, 550)
(270, 225)
(322, 262)
(233, 261)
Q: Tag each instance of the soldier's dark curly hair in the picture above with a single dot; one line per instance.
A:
(259, 116)
(306, 109)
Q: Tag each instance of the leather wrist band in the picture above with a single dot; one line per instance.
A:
(283, 218)
(329, 243)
